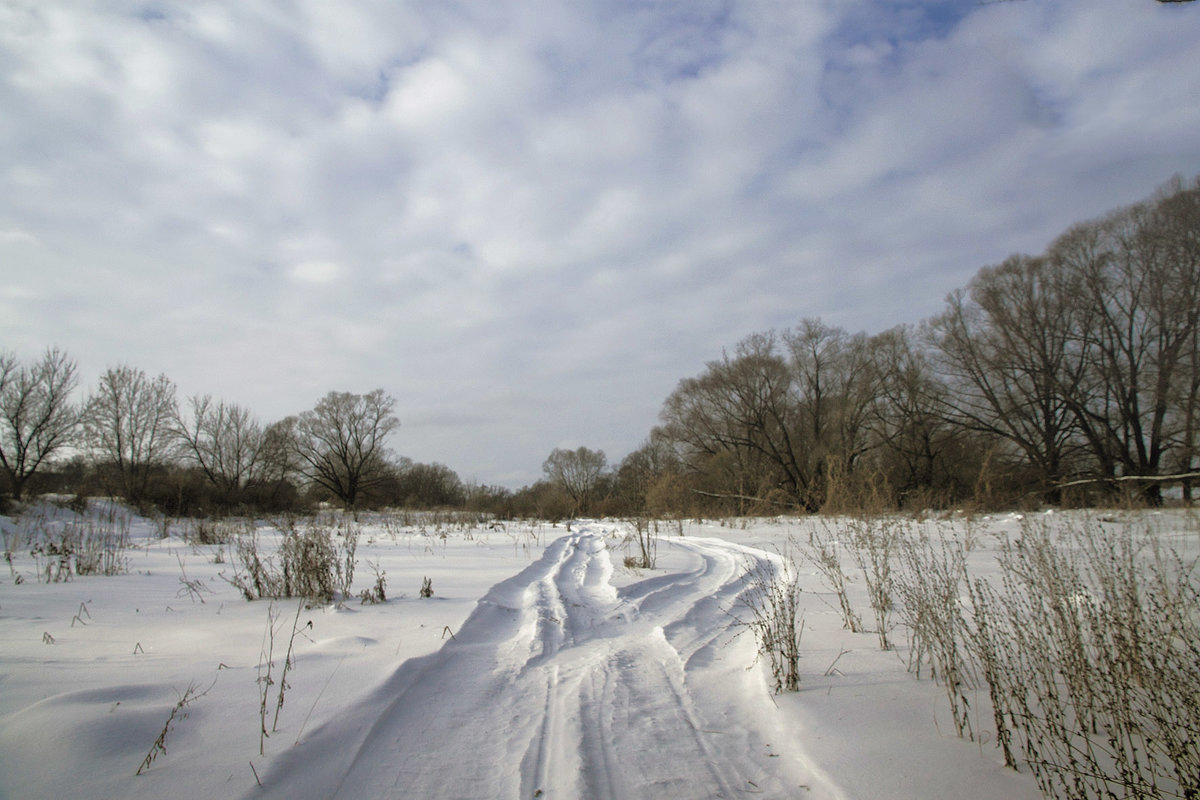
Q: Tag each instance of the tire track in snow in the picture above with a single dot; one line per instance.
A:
(560, 686)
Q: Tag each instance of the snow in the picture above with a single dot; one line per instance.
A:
(541, 667)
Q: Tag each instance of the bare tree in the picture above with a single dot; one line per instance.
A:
(1085, 359)
(577, 471)
(339, 444)
(638, 473)
(1180, 217)
(129, 425)
(1078, 366)
(915, 443)
(277, 459)
(775, 418)
(427, 485)
(1189, 404)
(225, 442)
(834, 382)
(1005, 353)
(1136, 273)
(736, 421)
(37, 417)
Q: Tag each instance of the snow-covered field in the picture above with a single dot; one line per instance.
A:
(540, 667)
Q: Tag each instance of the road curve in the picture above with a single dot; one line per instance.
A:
(559, 685)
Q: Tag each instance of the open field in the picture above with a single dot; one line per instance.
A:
(541, 666)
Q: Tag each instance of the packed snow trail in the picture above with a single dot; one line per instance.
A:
(560, 686)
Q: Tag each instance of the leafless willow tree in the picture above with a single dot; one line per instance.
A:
(427, 485)
(1078, 365)
(577, 472)
(226, 442)
(646, 477)
(1085, 359)
(835, 381)
(1006, 355)
(1179, 221)
(340, 443)
(1136, 277)
(735, 421)
(1187, 401)
(778, 412)
(37, 417)
(128, 423)
(917, 448)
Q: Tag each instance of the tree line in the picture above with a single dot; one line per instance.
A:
(1068, 377)
(130, 437)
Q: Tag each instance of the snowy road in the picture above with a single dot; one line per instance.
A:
(559, 685)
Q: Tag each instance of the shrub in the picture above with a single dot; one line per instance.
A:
(378, 592)
(63, 542)
(1091, 648)
(772, 595)
(215, 531)
(310, 562)
(645, 534)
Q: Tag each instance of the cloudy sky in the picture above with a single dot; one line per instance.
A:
(527, 220)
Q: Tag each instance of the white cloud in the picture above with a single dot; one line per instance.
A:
(316, 272)
(10, 237)
(539, 216)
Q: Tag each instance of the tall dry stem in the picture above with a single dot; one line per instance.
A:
(929, 585)
(824, 553)
(1091, 648)
(873, 543)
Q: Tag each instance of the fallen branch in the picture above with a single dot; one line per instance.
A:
(1182, 476)
(722, 496)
